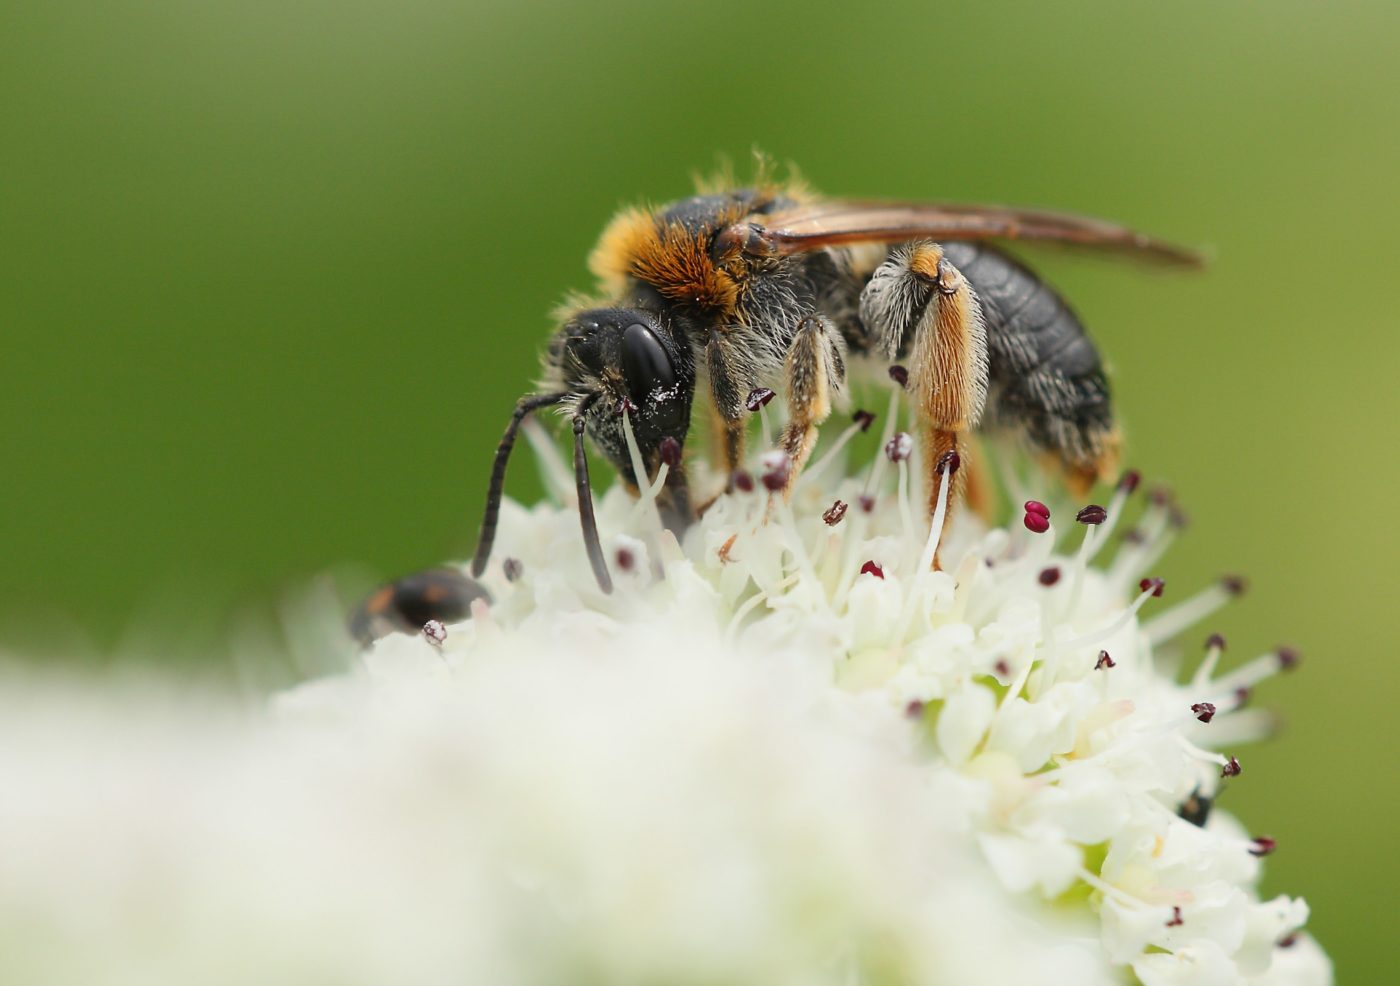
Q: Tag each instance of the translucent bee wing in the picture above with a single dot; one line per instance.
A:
(833, 223)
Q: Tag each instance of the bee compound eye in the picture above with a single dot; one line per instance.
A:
(645, 362)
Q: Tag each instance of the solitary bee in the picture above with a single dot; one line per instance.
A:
(771, 287)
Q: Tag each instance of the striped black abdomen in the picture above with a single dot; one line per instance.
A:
(1046, 378)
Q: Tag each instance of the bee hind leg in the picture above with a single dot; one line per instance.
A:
(918, 303)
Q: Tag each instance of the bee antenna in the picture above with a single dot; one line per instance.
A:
(585, 507)
(487, 536)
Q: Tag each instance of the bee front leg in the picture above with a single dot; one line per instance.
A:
(814, 372)
(731, 380)
(918, 303)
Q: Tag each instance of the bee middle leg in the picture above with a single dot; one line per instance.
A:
(814, 371)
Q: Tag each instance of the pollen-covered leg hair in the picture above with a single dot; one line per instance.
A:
(917, 302)
(731, 433)
(814, 370)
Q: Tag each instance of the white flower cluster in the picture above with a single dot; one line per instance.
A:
(784, 751)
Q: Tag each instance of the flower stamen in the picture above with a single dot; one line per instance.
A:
(1186, 614)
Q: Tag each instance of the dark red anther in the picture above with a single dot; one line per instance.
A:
(1049, 576)
(866, 503)
(914, 710)
(1092, 516)
(1177, 920)
(1159, 496)
(1235, 585)
(623, 406)
(758, 397)
(1288, 941)
(900, 447)
(1129, 481)
(1037, 519)
(1154, 586)
(899, 375)
(1002, 668)
(1242, 695)
(949, 463)
(513, 569)
(435, 632)
(871, 568)
(742, 481)
(670, 451)
(1104, 661)
(626, 560)
(834, 513)
(1215, 642)
(1288, 658)
(864, 418)
(1204, 711)
(777, 467)
(1263, 845)
(1232, 768)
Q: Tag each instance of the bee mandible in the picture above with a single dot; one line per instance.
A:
(769, 286)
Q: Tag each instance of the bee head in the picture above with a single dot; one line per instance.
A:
(630, 361)
(607, 368)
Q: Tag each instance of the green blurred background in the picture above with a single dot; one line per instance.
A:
(271, 275)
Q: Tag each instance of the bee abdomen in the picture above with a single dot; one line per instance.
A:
(1046, 377)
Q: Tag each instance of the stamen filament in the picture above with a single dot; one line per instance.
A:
(1104, 531)
(1116, 625)
(557, 475)
(1167, 624)
(1251, 673)
(935, 534)
(646, 491)
(1109, 890)
(877, 469)
(815, 469)
(1195, 752)
(906, 513)
(1081, 562)
(1203, 674)
(1133, 559)
(755, 600)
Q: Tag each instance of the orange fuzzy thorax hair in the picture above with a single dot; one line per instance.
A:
(636, 244)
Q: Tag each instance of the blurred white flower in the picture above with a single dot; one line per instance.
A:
(781, 752)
